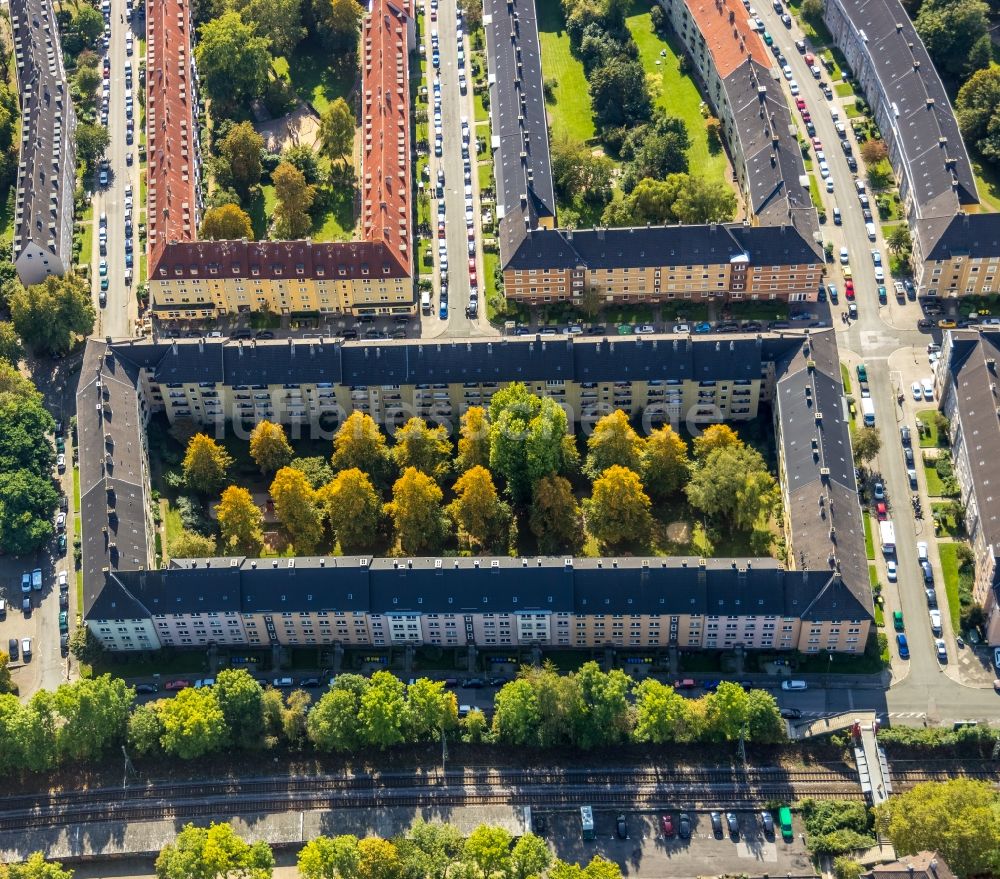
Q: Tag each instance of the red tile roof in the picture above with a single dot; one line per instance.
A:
(728, 35)
(171, 140)
(386, 248)
(385, 163)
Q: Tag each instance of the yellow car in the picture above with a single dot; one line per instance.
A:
(946, 324)
(847, 272)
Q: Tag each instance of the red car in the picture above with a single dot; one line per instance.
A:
(805, 116)
(686, 684)
(667, 824)
(817, 143)
(849, 289)
(881, 512)
(800, 103)
(176, 685)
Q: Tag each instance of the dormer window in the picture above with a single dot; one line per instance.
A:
(277, 270)
(385, 270)
(300, 269)
(255, 270)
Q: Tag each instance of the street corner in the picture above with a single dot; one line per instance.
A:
(974, 667)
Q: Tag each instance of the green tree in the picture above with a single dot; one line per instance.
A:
(428, 449)
(618, 510)
(526, 438)
(279, 22)
(874, 151)
(85, 646)
(35, 867)
(416, 512)
(317, 470)
(378, 859)
(431, 848)
(702, 200)
(294, 716)
(303, 158)
(474, 439)
(846, 868)
(232, 61)
(516, 714)
(337, 23)
(240, 521)
(956, 34)
(898, 239)
(555, 518)
(87, 79)
(956, 818)
(192, 545)
(665, 465)
(269, 446)
(732, 483)
(650, 201)
(661, 713)
(25, 428)
(91, 143)
(489, 850)
(333, 723)
(530, 856)
(726, 712)
(880, 176)
(193, 724)
(145, 730)
(359, 443)
(205, 463)
(27, 505)
(49, 316)
(295, 198)
(578, 174)
(475, 727)
(93, 715)
(240, 699)
(296, 508)
(213, 852)
(764, 723)
(978, 109)
(715, 436)
(336, 130)
(619, 93)
(614, 441)
(430, 710)
(867, 444)
(240, 151)
(6, 682)
(353, 509)
(482, 518)
(329, 858)
(603, 712)
(226, 223)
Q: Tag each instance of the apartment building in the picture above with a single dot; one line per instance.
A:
(46, 171)
(955, 248)
(968, 388)
(820, 600)
(665, 263)
(491, 603)
(315, 384)
(740, 78)
(775, 255)
(193, 279)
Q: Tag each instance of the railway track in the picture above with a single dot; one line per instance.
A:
(644, 788)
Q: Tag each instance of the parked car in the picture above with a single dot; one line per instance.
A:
(173, 686)
(621, 826)
(716, 819)
(146, 688)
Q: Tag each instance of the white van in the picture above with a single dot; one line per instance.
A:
(425, 301)
(870, 229)
(794, 685)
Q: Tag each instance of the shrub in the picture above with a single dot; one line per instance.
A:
(193, 516)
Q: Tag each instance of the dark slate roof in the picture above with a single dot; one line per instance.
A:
(707, 244)
(822, 508)
(775, 175)
(46, 158)
(517, 117)
(975, 383)
(970, 235)
(111, 470)
(467, 585)
(522, 358)
(915, 102)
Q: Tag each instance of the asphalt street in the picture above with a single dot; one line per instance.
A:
(454, 107)
(118, 316)
(922, 688)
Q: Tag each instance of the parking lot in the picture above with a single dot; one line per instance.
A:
(647, 853)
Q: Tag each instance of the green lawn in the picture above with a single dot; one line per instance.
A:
(814, 194)
(172, 526)
(843, 90)
(490, 262)
(948, 525)
(314, 79)
(988, 183)
(486, 175)
(337, 223)
(869, 541)
(571, 114)
(481, 114)
(930, 438)
(949, 568)
(87, 234)
(678, 95)
(76, 490)
(935, 488)
(261, 209)
(845, 377)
